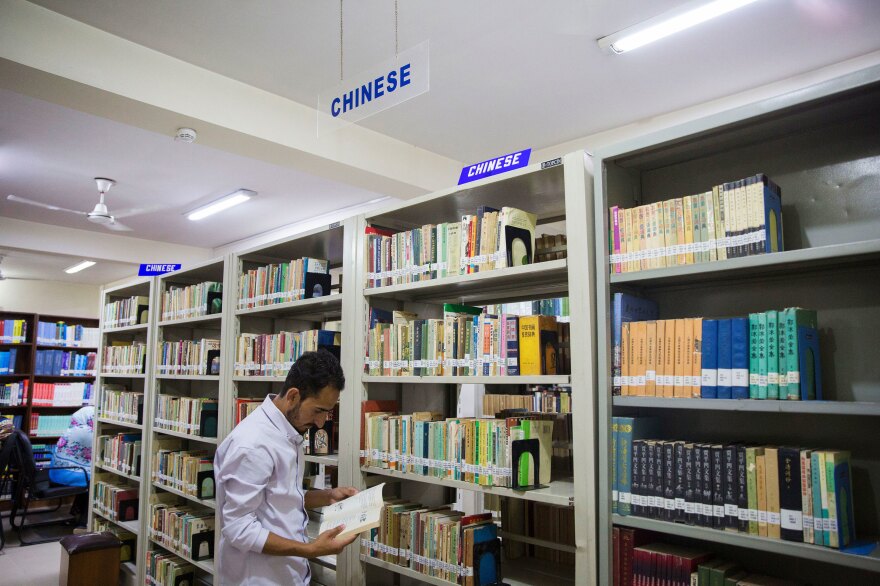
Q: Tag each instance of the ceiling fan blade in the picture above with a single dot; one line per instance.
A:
(39, 204)
(117, 226)
(127, 213)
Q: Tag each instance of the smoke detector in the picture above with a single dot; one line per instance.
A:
(185, 135)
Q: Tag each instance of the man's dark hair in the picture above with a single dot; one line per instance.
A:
(312, 372)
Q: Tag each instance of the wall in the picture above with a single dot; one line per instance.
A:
(50, 297)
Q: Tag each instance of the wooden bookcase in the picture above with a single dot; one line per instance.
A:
(822, 146)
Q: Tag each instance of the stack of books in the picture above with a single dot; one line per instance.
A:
(71, 336)
(303, 278)
(189, 357)
(165, 569)
(274, 354)
(13, 331)
(62, 394)
(190, 415)
(8, 359)
(49, 425)
(189, 471)
(124, 358)
(182, 528)
(14, 394)
(539, 400)
(486, 240)
(121, 452)
(735, 219)
(118, 501)
(192, 301)
(64, 363)
(126, 312)
(120, 404)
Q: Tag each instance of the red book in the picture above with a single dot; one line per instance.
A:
(615, 556)
(378, 231)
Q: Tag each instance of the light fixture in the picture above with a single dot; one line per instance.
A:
(79, 266)
(678, 19)
(226, 202)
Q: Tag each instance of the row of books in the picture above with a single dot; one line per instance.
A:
(487, 240)
(437, 541)
(477, 450)
(551, 247)
(192, 301)
(792, 493)
(64, 363)
(556, 306)
(116, 500)
(189, 357)
(8, 360)
(13, 331)
(120, 404)
(735, 219)
(302, 278)
(244, 407)
(640, 560)
(124, 358)
(190, 415)
(69, 335)
(274, 354)
(166, 569)
(62, 394)
(128, 551)
(540, 400)
(466, 342)
(126, 312)
(122, 452)
(182, 528)
(49, 425)
(188, 471)
(43, 454)
(14, 394)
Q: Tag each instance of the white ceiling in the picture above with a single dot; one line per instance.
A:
(505, 74)
(34, 265)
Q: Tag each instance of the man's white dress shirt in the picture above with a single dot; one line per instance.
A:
(259, 469)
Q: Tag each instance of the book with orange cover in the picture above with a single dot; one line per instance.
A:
(650, 389)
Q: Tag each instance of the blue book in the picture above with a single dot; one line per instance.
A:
(709, 383)
(614, 484)
(809, 365)
(739, 361)
(772, 216)
(629, 429)
(512, 342)
(626, 308)
(725, 358)
(4, 363)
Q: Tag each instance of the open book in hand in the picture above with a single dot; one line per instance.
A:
(358, 513)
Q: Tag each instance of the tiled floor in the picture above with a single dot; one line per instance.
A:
(31, 565)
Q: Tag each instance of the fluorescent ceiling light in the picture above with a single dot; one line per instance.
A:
(233, 199)
(79, 266)
(676, 20)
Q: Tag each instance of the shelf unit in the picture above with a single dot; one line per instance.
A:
(210, 326)
(557, 194)
(820, 145)
(335, 244)
(105, 423)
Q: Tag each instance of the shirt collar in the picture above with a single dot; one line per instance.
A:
(280, 421)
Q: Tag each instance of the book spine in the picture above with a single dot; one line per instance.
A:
(708, 486)
(725, 356)
(752, 489)
(718, 472)
(791, 355)
(649, 478)
(816, 496)
(761, 470)
(772, 354)
(669, 484)
(709, 379)
(729, 487)
(615, 455)
(635, 478)
(791, 507)
(680, 492)
(753, 356)
(807, 495)
(762, 355)
(698, 517)
(739, 336)
(690, 501)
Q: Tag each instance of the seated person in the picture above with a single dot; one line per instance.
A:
(74, 448)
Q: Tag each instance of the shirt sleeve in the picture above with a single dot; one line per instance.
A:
(244, 476)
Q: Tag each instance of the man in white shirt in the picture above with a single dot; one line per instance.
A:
(259, 470)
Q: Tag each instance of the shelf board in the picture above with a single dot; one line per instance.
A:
(121, 375)
(16, 374)
(6, 407)
(318, 307)
(864, 408)
(559, 492)
(197, 438)
(523, 572)
(130, 526)
(15, 344)
(213, 377)
(561, 379)
(59, 378)
(191, 320)
(134, 328)
(328, 460)
(789, 548)
(532, 281)
(204, 565)
(210, 503)
(259, 379)
(819, 257)
(117, 472)
(110, 421)
(82, 348)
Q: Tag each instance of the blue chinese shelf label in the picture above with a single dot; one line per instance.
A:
(153, 270)
(495, 166)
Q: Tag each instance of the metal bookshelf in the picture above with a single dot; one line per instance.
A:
(807, 141)
(556, 193)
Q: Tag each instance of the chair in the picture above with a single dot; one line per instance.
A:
(34, 484)
(7, 482)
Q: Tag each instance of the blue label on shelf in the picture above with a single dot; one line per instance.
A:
(501, 164)
(152, 270)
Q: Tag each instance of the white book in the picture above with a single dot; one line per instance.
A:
(358, 513)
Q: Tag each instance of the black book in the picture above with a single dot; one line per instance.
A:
(690, 483)
(417, 346)
(790, 502)
(742, 491)
(708, 483)
(659, 479)
(650, 478)
(639, 471)
(669, 480)
(635, 478)
(728, 486)
(698, 484)
(718, 520)
(679, 491)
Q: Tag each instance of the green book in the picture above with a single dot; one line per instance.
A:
(753, 356)
(795, 317)
(762, 355)
(734, 578)
(704, 572)
(841, 524)
(772, 354)
(752, 486)
(721, 571)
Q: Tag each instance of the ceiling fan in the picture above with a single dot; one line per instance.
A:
(4, 277)
(99, 214)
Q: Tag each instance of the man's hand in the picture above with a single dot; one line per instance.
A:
(328, 542)
(341, 493)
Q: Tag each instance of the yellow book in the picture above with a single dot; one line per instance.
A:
(660, 235)
(679, 353)
(756, 214)
(638, 331)
(761, 467)
(688, 211)
(650, 389)
(659, 347)
(687, 359)
(538, 345)
(771, 475)
(670, 233)
(642, 245)
(697, 362)
(717, 205)
(625, 354)
(742, 216)
(680, 231)
(627, 239)
(669, 358)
